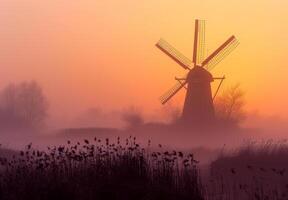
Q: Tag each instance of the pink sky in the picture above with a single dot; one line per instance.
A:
(101, 53)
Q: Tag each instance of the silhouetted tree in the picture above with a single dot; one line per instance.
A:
(229, 107)
(23, 105)
(132, 117)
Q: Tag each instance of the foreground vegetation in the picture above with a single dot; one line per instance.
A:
(256, 171)
(100, 170)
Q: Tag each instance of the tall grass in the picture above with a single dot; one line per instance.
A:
(256, 171)
(100, 169)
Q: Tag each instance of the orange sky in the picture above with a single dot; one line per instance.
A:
(101, 53)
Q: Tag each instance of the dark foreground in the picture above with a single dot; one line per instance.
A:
(100, 170)
(103, 170)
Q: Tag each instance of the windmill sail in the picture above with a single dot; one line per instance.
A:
(199, 42)
(219, 54)
(172, 91)
(198, 106)
(174, 54)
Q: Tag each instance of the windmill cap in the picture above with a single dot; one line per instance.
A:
(199, 74)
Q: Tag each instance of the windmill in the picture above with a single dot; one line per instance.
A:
(198, 105)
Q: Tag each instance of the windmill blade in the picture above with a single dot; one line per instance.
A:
(199, 42)
(172, 91)
(222, 55)
(174, 54)
(219, 54)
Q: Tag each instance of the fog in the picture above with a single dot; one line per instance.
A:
(94, 122)
(27, 116)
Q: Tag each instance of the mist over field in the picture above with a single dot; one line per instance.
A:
(117, 100)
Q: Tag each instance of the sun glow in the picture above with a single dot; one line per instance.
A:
(104, 51)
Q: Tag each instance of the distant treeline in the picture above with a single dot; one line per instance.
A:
(22, 105)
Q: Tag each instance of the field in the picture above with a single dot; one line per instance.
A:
(254, 171)
(123, 169)
(99, 169)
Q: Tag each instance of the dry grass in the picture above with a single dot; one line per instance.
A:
(100, 170)
(255, 171)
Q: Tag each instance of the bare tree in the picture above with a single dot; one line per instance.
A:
(132, 117)
(9, 98)
(25, 103)
(229, 107)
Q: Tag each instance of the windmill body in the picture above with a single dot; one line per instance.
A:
(198, 105)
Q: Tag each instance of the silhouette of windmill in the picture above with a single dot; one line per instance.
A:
(198, 105)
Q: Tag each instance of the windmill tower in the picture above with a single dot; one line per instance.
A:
(198, 105)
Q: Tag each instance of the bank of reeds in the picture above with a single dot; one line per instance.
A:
(256, 171)
(100, 169)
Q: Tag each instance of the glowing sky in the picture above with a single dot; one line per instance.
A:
(94, 53)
